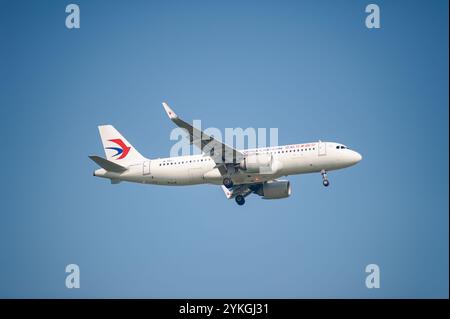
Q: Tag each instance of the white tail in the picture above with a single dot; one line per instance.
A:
(117, 148)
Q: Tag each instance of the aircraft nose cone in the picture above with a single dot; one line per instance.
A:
(353, 158)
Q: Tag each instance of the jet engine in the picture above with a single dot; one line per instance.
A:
(257, 163)
(275, 190)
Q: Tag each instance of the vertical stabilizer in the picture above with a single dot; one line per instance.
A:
(117, 148)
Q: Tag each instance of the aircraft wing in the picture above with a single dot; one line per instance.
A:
(222, 154)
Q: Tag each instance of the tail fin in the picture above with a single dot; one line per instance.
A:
(117, 148)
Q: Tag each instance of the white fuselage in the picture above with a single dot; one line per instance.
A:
(200, 169)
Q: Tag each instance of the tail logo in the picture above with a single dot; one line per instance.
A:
(122, 150)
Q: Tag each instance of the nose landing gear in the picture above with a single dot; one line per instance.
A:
(325, 180)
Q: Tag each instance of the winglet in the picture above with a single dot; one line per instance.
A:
(172, 115)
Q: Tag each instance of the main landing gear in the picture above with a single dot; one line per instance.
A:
(325, 180)
(227, 182)
(240, 200)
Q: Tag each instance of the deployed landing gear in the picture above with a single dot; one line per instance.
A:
(240, 200)
(325, 180)
(227, 182)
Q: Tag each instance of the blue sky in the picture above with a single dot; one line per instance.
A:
(309, 68)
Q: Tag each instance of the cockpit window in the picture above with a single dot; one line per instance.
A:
(341, 147)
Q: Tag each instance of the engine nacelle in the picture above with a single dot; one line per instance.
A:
(256, 163)
(275, 190)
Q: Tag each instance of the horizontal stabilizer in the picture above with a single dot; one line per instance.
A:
(107, 165)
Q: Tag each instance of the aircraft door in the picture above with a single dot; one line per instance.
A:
(146, 168)
(322, 147)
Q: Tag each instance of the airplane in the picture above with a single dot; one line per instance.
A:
(239, 172)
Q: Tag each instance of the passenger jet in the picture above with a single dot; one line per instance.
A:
(239, 172)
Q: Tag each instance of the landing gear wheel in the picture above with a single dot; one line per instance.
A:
(227, 182)
(240, 200)
(326, 182)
